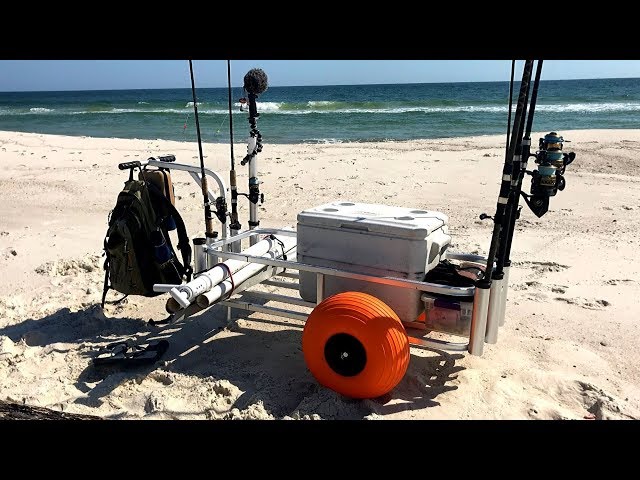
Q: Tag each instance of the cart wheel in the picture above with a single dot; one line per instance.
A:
(355, 344)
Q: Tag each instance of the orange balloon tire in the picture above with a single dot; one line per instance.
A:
(355, 344)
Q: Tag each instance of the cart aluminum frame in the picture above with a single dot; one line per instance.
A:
(220, 250)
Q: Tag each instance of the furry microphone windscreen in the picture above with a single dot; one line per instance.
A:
(255, 81)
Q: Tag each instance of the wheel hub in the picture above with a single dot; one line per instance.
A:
(345, 354)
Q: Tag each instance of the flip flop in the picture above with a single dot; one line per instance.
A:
(129, 355)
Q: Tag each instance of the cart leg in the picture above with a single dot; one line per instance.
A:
(319, 288)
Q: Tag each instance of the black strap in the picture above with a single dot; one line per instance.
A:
(230, 278)
(273, 237)
(106, 287)
(106, 279)
(183, 239)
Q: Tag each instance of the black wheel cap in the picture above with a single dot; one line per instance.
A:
(345, 354)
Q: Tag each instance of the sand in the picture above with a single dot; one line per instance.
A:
(568, 349)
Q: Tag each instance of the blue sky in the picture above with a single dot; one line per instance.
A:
(27, 75)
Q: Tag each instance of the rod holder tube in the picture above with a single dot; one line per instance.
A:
(199, 255)
(479, 320)
(210, 260)
(493, 312)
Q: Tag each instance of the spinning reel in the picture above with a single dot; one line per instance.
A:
(548, 178)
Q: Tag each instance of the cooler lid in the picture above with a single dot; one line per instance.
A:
(411, 223)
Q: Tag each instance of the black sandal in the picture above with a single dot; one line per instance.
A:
(128, 355)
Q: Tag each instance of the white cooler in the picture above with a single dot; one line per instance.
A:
(371, 239)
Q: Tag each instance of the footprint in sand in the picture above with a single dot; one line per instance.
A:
(618, 281)
(599, 404)
(527, 285)
(541, 268)
(594, 304)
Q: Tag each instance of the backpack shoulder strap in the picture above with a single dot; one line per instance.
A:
(183, 238)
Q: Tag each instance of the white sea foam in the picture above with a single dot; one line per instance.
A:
(268, 106)
(321, 140)
(571, 107)
(320, 103)
(262, 106)
(590, 107)
(143, 103)
(275, 108)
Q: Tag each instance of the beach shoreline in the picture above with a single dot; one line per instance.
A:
(567, 349)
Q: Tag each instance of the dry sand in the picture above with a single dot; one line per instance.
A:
(569, 348)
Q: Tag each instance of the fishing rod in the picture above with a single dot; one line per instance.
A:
(505, 186)
(546, 181)
(521, 152)
(484, 322)
(221, 207)
(255, 83)
(512, 181)
(235, 225)
(520, 168)
(513, 69)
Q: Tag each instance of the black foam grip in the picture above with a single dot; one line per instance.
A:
(126, 165)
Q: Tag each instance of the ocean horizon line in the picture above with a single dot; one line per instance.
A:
(318, 85)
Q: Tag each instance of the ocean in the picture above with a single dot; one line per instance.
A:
(323, 114)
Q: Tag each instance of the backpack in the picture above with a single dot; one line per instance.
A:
(137, 245)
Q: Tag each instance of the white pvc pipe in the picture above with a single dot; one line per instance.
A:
(163, 287)
(172, 306)
(185, 294)
(209, 297)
